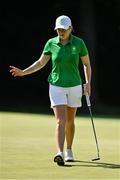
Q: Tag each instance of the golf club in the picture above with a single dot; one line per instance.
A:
(89, 107)
(90, 111)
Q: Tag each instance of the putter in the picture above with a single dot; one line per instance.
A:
(89, 107)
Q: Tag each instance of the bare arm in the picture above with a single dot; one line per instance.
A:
(87, 71)
(40, 63)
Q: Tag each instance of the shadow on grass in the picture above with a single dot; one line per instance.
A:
(92, 164)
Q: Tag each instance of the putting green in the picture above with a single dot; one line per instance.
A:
(27, 148)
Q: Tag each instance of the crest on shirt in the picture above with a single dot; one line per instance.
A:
(73, 50)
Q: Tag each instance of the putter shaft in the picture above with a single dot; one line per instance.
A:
(89, 107)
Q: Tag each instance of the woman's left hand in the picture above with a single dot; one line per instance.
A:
(87, 89)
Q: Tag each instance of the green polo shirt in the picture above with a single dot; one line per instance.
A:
(65, 61)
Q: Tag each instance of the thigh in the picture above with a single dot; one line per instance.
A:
(71, 112)
(60, 112)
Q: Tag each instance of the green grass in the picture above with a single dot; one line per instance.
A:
(27, 148)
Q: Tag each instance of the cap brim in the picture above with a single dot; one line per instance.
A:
(61, 27)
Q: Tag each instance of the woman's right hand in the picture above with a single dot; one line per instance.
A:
(16, 71)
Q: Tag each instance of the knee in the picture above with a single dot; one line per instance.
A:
(61, 122)
(70, 122)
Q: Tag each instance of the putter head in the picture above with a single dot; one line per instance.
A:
(96, 159)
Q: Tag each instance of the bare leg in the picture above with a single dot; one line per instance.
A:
(70, 126)
(60, 112)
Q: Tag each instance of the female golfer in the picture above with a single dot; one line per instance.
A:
(65, 83)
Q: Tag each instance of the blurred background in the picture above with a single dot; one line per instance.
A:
(25, 28)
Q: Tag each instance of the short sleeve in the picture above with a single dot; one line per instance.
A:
(83, 49)
(46, 49)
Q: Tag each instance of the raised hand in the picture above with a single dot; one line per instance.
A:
(16, 71)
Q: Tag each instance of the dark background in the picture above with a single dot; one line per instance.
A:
(25, 28)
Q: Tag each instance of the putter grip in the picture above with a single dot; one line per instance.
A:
(88, 100)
